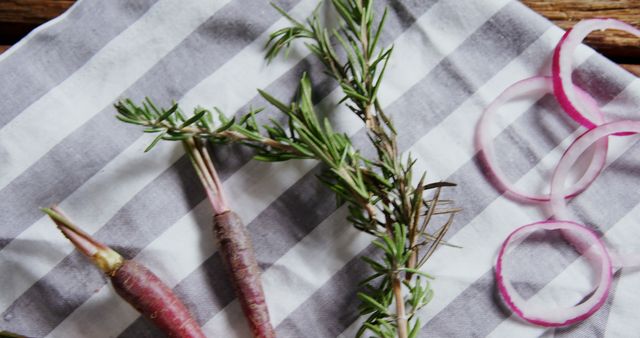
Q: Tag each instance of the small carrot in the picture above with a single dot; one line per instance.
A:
(234, 243)
(239, 257)
(133, 282)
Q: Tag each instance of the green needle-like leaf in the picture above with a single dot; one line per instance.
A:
(155, 141)
(167, 113)
(378, 187)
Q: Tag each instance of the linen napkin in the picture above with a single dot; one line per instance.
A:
(60, 143)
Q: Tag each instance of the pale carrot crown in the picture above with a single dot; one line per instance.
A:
(105, 258)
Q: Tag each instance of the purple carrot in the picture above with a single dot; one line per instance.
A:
(133, 282)
(234, 243)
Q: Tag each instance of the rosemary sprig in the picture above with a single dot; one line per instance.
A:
(380, 193)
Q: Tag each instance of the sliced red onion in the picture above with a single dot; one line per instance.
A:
(537, 85)
(550, 317)
(562, 67)
(571, 155)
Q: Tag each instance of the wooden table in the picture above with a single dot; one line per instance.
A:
(19, 17)
(618, 46)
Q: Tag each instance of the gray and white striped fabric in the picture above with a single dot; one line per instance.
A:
(60, 143)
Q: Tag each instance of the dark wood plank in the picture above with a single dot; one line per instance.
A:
(12, 32)
(618, 46)
(32, 11)
(19, 17)
(633, 69)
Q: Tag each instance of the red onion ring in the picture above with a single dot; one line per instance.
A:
(584, 110)
(562, 67)
(570, 156)
(559, 316)
(534, 85)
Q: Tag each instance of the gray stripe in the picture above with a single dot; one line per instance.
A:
(595, 326)
(65, 46)
(154, 204)
(484, 309)
(276, 233)
(48, 181)
(148, 198)
(234, 157)
(482, 290)
(487, 312)
(440, 103)
(286, 221)
(437, 84)
(278, 228)
(73, 280)
(527, 127)
(528, 140)
(319, 318)
(471, 207)
(456, 78)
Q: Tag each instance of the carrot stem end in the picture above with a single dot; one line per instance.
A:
(105, 258)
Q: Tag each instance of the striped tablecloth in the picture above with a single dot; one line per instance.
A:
(60, 143)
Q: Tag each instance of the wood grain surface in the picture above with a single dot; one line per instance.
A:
(618, 45)
(32, 11)
(19, 17)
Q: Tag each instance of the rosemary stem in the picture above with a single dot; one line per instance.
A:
(401, 320)
(382, 199)
(411, 262)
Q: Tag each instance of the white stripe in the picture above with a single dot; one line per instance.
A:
(305, 268)
(98, 82)
(623, 318)
(297, 274)
(179, 253)
(457, 131)
(249, 60)
(93, 212)
(571, 285)
(172, 259)
(92, 204)
(619, 238)
(481, 238)
(37, 31)
(311, 248)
